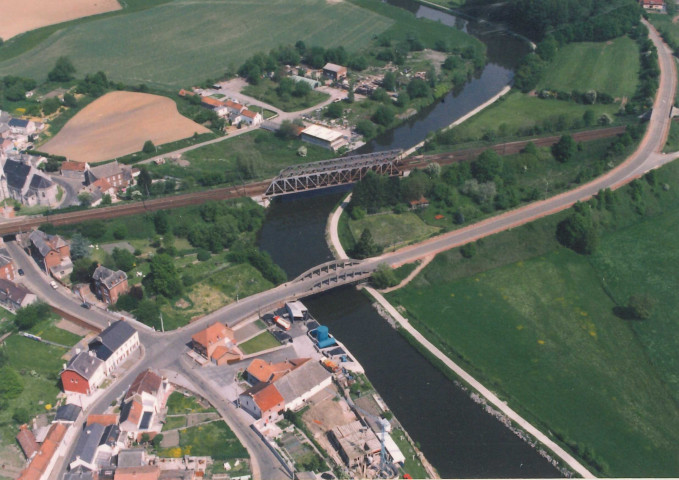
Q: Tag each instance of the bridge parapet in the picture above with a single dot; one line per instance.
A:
(327, 267)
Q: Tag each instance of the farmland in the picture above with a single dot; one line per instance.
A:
(20, 17)
(181, 43)
(610, 67)
(118, 124)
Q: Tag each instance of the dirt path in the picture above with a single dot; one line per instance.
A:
(425, 261)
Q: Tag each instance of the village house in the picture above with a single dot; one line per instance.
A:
(68, 414)
(27, 442)
(251, 118)
(143, 402)
(118, 176)
(217, 343)
(355, 443)
(234, 108)
(74, 170)
(14, 296)
(96, 446)
(215, 105)
(109, 285)
(262, 401)
(27, 185)
(6, 265)
(22, 127)
(43, 461)
(261, 371)
(115, 344)
(83, 373)
(655, 5)
(144, 472)
(303, 383)
(80, 473)
(334, 71)
(51, 252)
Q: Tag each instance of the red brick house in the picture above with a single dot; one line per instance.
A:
(51, 252)
(6, 265)
(82, 374)
(109, 285)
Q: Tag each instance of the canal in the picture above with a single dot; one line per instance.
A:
(456, 435)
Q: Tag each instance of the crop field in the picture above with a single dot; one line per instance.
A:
(181, 43)
(543, 331)
(611, 67)
(19, 17)
(118, 124)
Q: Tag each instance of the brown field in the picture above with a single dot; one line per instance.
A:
(24, 15)
(118, 124)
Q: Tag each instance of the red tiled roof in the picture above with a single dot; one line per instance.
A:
(146, 381)
(38, 465)
(103, 184)
(234, 105)
(183, 93)
(27, 441)
(267, 398)
(213, 333)
(103, 419)
(135, 413)
(213, 102)
(270, 372)
(249, 113)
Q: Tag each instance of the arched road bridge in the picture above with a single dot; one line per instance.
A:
(338, 171)
(333, 274)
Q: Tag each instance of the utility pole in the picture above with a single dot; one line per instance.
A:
(162, 326)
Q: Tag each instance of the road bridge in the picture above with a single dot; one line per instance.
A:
(338, 171)
(334, 274)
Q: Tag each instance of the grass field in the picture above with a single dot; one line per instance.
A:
(544, 331)
(214, 439)
(263, 341)
(610, 67)
(180, 43)
(254, 155)
(392, 230)
(178, 404)
(48, 331)
(519, 111)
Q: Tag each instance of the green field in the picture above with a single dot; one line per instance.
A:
(266, 92)
(392, 230)
(178, 404)
(183, 42)
(610, 67)
(544, 331)
(263, 341)
(518, 111)
(214, 439)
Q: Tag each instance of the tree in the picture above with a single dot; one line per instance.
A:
(384, 115)
(384, 276)
(366, 247)
(468, 250)
(11, 384)
(564, 149)
(148, 313)
(418, 88)
(85, 199)
(148, 147)
(83, 269)
(334, 110)
(70, 101)
(287, 130)
(119, 231)
(161, 222)
(106, 199)
(389, 81)
(578, 233)
(30, 315)
(21, 415)
(487, 166)
(144, 181)
(123, 259)
(50, 105)
(365, 127)
(63, 70)
(80, 246)
(163, 278)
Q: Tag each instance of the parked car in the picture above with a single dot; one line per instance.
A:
(54, 285)
(86, 305)
(21, 272)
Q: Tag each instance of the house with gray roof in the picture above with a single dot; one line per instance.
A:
(303, 383)
(131, 457)
(22, 127)
(26, 184)
(86, 449)
(80, 473)
(51, 252)
(83, 373)
(109, 285)
(115, 344)
(119, 176)
(14, 296)
(68, 413)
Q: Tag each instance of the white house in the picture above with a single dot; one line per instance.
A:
(143, 401)
(115, 344)
(22, 127)
(251, 118)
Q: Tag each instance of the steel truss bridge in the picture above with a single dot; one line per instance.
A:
(338, 171)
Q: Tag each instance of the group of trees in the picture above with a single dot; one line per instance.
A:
(14, 88)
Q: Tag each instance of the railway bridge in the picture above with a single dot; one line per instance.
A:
(338, 171)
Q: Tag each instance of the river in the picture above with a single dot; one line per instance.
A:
(456, 435)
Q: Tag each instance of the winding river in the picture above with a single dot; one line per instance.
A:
(456, 435)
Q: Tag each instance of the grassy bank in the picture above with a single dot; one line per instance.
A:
(538, 324)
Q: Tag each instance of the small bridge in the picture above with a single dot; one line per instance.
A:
(333, 274)
(338, 171)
